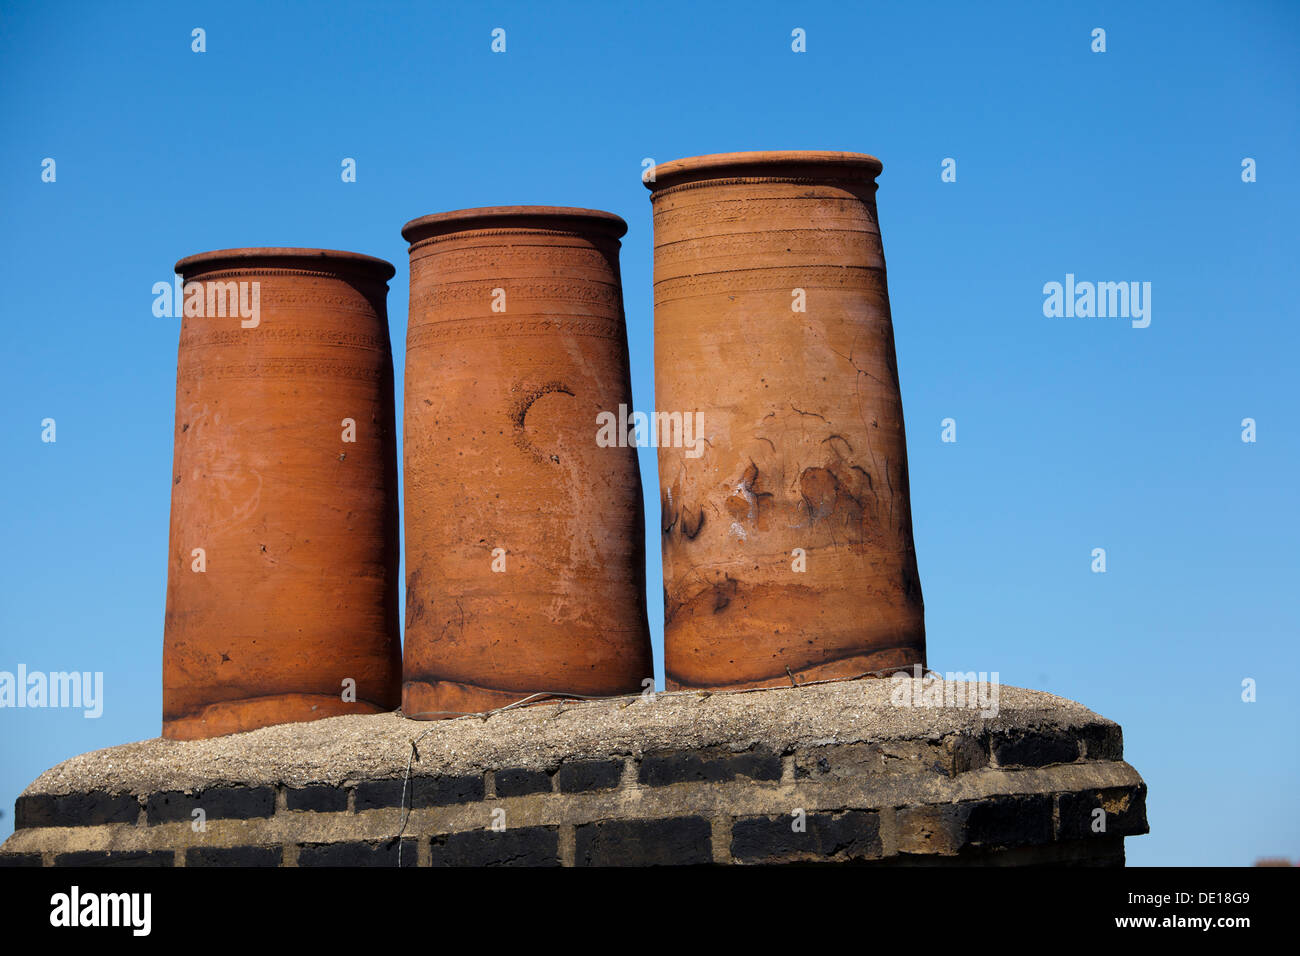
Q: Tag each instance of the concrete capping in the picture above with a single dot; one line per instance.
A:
(825, 773)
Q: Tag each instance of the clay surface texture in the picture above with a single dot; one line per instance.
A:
(282, 576)
(524, 535)
(787, 543)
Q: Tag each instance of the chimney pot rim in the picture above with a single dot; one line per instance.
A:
(268, 257)
(567, 218)
(835, 164)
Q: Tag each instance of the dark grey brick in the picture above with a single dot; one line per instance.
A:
(1034, 749)
(320, 798)
(233, 856)
(579, 776)
(519, 782)
(525, 846)
(445, 791)
(1009, 821)
(118, 858)
(1103, 742)
(974, 825)
(685, 766)
(850, 835)
(966, 752)
(951, 755)
(1126, 813)
(357, 853)
(930, 831)
(424, 792)
(75, 809)
(676, 841)
(20, 859)
(377, 794)
(217, 803)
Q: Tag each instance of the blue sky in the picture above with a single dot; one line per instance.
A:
(1072, 434)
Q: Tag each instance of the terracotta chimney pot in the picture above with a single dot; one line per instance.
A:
(524, 536)
(787, 544)
(282, 579)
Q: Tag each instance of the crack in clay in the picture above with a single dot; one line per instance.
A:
(810, 414)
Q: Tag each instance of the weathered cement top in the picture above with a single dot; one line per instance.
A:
(339, 749)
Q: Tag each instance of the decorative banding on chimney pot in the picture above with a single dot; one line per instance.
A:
(787, 544)
(282, 577)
